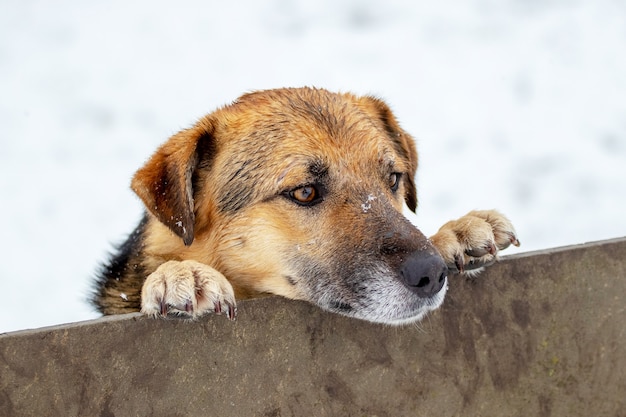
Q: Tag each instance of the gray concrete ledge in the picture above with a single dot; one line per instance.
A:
(538, 334)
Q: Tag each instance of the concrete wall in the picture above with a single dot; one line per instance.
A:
(539, 334)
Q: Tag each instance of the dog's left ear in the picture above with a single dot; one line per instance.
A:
(165, 182)
(402, 141)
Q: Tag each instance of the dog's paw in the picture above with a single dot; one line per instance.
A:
(187, 289)
(473, 241)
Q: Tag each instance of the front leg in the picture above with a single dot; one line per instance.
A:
(472, 242)
(187, 289)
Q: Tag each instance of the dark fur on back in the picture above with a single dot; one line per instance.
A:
(123, 275)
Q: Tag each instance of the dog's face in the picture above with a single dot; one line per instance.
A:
(299, 192)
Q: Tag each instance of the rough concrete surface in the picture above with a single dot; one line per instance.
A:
(539, 334)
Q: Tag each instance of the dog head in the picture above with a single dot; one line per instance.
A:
(298, 192)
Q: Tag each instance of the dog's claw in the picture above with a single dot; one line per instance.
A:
(164, 308)
(489, 248)
(458, 262)
(217, 307)
(232, 311)
(514, 240)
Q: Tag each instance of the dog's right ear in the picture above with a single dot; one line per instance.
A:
(165, 184)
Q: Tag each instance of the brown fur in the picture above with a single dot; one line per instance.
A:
(221, 193)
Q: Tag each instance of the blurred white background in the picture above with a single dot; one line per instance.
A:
(518, 105)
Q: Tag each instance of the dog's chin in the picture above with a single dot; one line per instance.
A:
(397, 306)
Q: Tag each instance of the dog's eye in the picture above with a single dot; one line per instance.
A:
(306, 195)
(394, 181)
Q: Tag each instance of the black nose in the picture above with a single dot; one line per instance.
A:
(424, 273)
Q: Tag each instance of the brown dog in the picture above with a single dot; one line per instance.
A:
(294, 192)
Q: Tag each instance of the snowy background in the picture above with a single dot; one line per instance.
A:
(517, 105)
